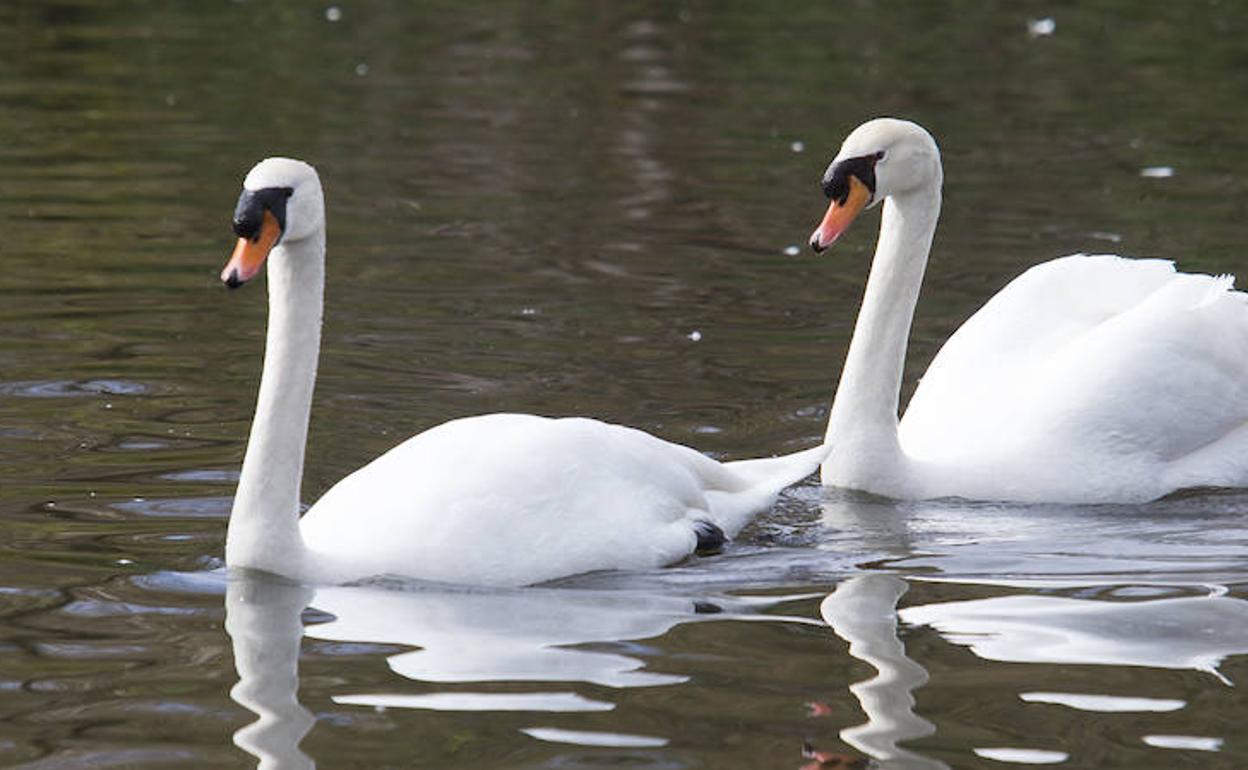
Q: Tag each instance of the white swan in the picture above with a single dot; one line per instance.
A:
(501, 499)
(1086, 379)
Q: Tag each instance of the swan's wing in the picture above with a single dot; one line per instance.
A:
(973, 379)
(1089, 354)
(1154, 389)
(511, 499)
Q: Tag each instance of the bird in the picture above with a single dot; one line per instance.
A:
(492, 500)
(1090, 378)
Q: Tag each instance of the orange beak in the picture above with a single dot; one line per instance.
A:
(840, 215)
(249, 255)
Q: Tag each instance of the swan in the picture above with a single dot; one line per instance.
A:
(1087, 379)
(498, 499)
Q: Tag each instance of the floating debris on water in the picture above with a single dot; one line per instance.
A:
(695, 335)
(792, 251)
(1041, 27)
(361, 69)
(798, 146)
(333, 13)
(1157, 172)
(1105, 236)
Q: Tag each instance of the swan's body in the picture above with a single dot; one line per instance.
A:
(503, 499)
(1086, 379)
(513, 499)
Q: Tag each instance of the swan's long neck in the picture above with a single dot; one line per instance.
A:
(862, 426)
(264, 525)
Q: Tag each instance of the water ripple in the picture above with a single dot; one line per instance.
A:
(72, 388)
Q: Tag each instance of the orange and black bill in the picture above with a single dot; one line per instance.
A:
(259, 222)
(249, 254)
(851, 186)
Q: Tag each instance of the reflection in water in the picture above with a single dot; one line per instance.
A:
(461, 635)
(1189, 742)
(1178, 541)
(1022, 756)
(262, 617)
(863, 611)
(1135, 574)
(1105, 704)
(1121, 586)
(1194, 633)
(467, 635)
(586, 738)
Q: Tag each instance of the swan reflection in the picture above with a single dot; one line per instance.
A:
(1190, 632)
(1127, 587)
(863, 611)
(262, 617)
(467, 635)
(457, 635)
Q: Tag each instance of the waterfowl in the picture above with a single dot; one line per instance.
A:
(498, 499)
(1088, 378)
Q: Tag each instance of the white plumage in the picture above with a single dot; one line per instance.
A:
(501, 499)
(1086, 379)
(505, 499)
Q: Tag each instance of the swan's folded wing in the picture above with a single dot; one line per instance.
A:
(512, 499)
(1124, 359)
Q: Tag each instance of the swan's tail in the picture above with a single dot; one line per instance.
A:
(757, 484)
(780, 471)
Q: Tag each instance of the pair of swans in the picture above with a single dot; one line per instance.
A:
(1086, 379)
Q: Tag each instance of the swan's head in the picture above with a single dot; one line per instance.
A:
(281, 201)
(881, 158)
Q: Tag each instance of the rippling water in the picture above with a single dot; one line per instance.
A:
(586, 209)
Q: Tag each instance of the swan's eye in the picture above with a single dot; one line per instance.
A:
(249, 213)
(835, 181)
(879, 156)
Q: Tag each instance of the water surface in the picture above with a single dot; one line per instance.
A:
(586, 209)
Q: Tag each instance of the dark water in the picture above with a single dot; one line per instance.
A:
(585, 208)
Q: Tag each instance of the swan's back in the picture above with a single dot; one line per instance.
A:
(1095, 374)
(512, 499)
